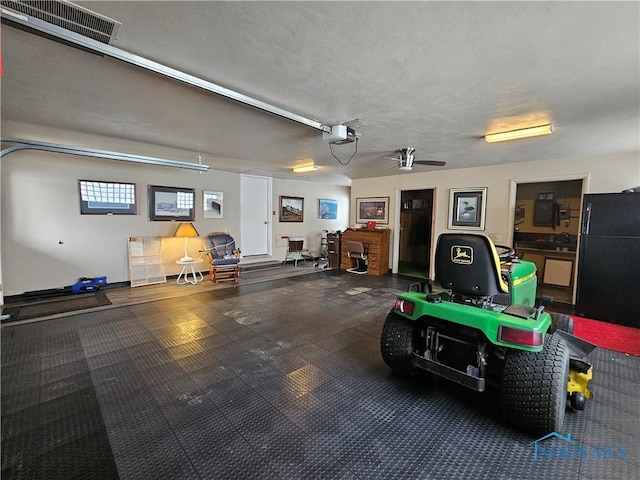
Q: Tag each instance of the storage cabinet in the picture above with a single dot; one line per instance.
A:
(376, 244)
(333, 249)
(555, 270)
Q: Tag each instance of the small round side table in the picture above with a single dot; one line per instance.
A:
(189, 267)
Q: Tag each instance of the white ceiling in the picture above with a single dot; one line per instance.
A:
(431, 75)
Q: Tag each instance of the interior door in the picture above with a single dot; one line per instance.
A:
(416, 218)
(255, 209)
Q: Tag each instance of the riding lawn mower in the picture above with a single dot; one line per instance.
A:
(483, 330)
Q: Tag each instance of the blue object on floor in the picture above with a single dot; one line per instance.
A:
(85, 284)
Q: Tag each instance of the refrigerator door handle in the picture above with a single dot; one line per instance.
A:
(587, 220)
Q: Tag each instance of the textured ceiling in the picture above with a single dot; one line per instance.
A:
(435, 76)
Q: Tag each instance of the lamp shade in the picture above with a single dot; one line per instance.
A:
(186, 230)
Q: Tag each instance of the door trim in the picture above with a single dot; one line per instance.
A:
(511, 211)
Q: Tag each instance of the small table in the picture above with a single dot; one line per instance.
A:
(189, 266)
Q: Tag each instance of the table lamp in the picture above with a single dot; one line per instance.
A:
(186, 230)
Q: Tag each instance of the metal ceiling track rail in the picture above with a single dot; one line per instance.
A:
(130, 58)
(23, 144)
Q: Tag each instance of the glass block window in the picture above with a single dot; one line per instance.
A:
(107, 198)
(184, 199)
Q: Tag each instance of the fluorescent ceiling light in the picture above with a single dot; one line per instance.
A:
(522, 133)
(306, 168)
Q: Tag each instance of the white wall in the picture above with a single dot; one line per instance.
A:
(312, 226)
(603, 175)
(47, 244)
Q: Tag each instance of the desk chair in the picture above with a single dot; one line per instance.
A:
(356, 250)
(224, 257)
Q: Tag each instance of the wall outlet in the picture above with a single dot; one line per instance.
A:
(499, 238)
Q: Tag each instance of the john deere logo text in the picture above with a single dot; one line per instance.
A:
(462, 254)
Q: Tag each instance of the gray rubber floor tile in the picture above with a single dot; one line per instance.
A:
(247, 384)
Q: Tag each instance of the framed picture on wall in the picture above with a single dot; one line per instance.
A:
(212, 204)
(107, 198)
(327, 209)
(168, 204)
(291, 209)
(467, 207)
(372, 209)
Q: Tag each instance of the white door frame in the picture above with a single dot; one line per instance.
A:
(511, 211)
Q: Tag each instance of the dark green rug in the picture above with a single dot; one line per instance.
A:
(413, 270)
(53, 306)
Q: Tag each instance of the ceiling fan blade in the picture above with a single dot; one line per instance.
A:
(435, 163)
(405, 160)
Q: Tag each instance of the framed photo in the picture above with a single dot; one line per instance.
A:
(212, 204)
(372, 209)
(107, 198)
(168, 204)
(467, 207)
(327, 209)
(291, 209)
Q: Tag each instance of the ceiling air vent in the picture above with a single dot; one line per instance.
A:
(69, 16)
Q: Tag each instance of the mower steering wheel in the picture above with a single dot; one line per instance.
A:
(506, 253)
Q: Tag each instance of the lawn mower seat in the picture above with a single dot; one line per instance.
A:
(469, 264)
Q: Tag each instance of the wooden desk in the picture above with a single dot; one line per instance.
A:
(376, 244)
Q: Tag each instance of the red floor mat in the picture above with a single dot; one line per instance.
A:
(608, 335)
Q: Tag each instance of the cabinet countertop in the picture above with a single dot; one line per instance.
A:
(548, 253)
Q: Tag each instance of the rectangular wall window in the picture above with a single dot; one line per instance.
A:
(107, 198)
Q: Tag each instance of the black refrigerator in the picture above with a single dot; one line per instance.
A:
(609, 259)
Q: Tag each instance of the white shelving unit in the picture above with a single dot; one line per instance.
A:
(145, 261)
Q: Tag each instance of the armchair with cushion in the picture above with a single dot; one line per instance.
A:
(224, 257)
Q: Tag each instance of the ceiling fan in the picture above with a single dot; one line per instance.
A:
(406, 159)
